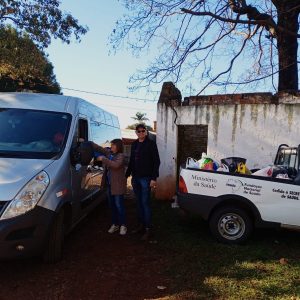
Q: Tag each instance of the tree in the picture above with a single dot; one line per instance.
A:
(41, 20)
(23, 66)
(140, 118)
(220, 42)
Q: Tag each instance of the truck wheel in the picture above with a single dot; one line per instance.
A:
(54, 246)
(231, 225)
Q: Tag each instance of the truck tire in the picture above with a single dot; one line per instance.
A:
(231, 225)
(54, 246)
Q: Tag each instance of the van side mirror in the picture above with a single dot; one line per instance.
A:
(82, 154)
(86, 153)
(74, 156)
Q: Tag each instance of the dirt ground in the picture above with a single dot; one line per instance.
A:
(96, 265)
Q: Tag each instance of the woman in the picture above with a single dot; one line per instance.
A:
(114, 178)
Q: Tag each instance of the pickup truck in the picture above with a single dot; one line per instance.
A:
(234, 204)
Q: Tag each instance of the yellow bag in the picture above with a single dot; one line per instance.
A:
(242, 169)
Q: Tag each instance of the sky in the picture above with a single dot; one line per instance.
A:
(87, 66)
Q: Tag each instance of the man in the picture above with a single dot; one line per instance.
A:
(144, 167)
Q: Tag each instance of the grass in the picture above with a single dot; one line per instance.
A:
(201, 268)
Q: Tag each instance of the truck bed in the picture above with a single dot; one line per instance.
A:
(271, 199)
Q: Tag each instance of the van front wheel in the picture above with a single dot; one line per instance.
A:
(231, 225)
(54, 246)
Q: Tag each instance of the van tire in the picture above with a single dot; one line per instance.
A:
(231, 225)
(54, 246)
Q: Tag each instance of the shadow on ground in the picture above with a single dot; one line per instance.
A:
(96, 265)
(183, 260)
(201, 268)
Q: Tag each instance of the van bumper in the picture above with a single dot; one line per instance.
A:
(25, 235)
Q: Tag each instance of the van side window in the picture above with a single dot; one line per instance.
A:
(83, 129)
(102, 133)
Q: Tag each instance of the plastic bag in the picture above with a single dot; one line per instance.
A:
(273, 171)
(282, 176)
(191, 163)
(216, 165)
(279, 170)
(266, 172)
(223, 168)
(242, 169)
(236, 165)
(207, 163)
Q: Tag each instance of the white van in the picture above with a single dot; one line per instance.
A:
(48, 182)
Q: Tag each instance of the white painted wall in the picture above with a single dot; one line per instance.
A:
(252, 131)
(166, 139)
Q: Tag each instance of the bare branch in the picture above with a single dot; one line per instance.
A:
(227, 20)
(228, 69)
(253, 80)
(194, 40)
(261, 19)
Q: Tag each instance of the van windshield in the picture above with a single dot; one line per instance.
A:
(32, 133)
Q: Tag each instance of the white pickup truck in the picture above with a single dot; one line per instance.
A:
(234, 204)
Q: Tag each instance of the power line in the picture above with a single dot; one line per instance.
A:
(90, 92)
(108, 95)
(126, 107)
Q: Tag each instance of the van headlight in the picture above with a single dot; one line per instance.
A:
(28, 197)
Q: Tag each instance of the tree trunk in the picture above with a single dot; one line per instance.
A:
(287, 48)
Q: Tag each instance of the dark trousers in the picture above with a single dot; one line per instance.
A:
(141, 188)
(116, 203)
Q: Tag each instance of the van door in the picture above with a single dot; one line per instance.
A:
(102, 134)
(91, 175)
(96, 170)
(79, 173)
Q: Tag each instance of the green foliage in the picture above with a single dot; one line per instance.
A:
(140, 118)
(133, 126)
(41, 20)
(23, 66)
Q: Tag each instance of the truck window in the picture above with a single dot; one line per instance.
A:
(288, 158)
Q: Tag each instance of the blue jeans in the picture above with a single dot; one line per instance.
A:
(116, 203)
(141, 188)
